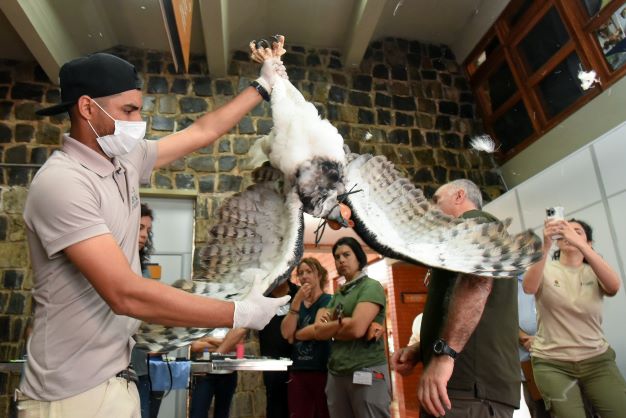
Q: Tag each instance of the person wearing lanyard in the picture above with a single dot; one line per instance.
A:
(358, 378)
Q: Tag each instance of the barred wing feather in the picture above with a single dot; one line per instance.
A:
(393, 217)
(257, 232)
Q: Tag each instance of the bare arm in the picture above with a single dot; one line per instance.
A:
(232, 338)
(206, 129)
(351, 328)
(290, 321)
(607, 277)
(209, 343)
(466, 308)
(525, 340)
(309, 332)
(534, 274)
(102, 262)
(356, 326)
(405, 359)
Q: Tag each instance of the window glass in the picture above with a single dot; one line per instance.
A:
(513, 127)
(544, 40)
(501, 86)
(612, 39)
(561, 87)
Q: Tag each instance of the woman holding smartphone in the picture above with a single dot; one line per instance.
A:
(570, 352)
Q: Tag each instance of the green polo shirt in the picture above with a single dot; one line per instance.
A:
(347, 357)
(488, 365)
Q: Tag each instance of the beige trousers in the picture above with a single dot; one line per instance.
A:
(116, 397)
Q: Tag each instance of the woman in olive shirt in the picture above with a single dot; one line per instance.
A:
(358, 379)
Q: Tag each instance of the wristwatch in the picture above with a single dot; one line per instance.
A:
(441, 347)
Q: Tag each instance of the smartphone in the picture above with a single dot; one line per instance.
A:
(556, 212)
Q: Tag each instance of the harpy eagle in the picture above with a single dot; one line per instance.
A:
(259, 232)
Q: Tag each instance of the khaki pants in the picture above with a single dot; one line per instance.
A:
(560, 383)
(116, 397)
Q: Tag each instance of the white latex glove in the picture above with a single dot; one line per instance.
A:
(256, 310)
(271, 70)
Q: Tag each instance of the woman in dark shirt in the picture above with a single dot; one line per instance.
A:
(307, 378)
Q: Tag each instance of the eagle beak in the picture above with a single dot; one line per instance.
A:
(339, 217)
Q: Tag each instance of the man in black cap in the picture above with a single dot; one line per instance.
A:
(82, 216)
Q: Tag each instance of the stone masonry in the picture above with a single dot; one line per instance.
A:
(408, 101)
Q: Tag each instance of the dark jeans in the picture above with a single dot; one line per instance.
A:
(276, 394)
(205, 387)
(150, 401)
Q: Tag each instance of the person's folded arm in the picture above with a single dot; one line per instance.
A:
(290, 321)
(356, 326)
(309, 332)
(350, 328)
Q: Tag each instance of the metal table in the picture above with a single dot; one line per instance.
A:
(209, 366)
(13, 366)
(221, 364)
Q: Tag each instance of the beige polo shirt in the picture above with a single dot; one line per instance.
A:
(569, 314)
(77, 341)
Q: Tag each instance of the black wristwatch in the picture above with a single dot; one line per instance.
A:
(441, 347)
(261, 90)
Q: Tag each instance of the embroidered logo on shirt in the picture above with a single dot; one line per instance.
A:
(134, 198)
(556, 283)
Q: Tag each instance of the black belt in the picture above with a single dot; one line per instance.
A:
(128, 374)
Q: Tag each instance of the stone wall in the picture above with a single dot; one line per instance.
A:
(408, 101)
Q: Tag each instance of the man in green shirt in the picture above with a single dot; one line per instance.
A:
(468, 335)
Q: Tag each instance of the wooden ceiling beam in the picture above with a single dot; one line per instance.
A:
(214, 17)
(365, 17)
(43, 33)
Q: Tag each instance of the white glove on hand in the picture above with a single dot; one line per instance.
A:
(256, 310)
(271, 70)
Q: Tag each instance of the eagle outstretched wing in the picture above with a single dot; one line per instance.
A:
(393, 217)
(258, 232)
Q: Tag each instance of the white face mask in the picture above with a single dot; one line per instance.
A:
(126, 136)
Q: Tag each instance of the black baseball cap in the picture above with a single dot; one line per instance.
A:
(96, 75)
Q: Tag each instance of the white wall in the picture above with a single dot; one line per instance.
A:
(591, 185)
(173, 229)
(479, 23)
